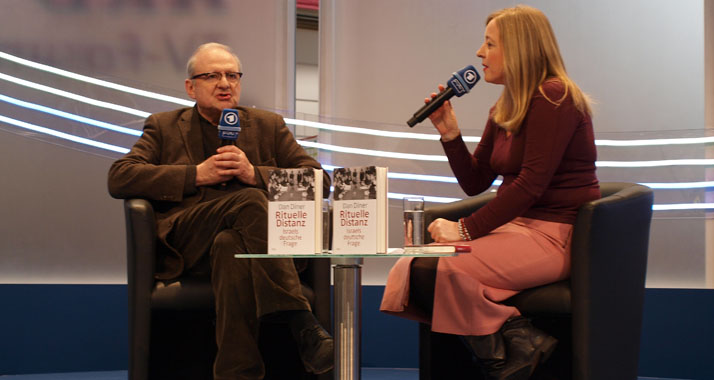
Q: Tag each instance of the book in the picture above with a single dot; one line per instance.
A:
(359, 218)
(436, 248)
(295, 211)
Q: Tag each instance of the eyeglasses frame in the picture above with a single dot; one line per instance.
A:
(207, 76)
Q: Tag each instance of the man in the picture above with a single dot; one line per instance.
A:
(211, 203)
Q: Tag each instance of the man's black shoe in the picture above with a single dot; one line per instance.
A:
(317, 349)
(316, 346)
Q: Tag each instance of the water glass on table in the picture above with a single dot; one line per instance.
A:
(413, 221)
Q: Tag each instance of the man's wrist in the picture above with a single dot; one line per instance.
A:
(190, 185)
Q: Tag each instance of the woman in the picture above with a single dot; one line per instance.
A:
(539, 137)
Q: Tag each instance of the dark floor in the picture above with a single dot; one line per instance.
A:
(367, 374)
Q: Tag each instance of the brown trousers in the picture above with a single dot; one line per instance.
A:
(209, 234)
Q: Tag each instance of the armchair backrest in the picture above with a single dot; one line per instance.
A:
(609, 263)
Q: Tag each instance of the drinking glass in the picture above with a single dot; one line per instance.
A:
(413, 221)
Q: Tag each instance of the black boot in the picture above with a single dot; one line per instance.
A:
(490, 353)
(526, 347)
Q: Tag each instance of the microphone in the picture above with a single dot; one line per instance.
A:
(229, 127)
(460, 83)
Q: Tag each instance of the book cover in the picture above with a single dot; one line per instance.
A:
(295, 211)
(359, 214)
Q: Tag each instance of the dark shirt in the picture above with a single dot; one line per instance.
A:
(209, 132)
(548, 167)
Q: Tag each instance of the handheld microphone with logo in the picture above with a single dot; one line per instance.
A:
(229, 127)
(460, 83)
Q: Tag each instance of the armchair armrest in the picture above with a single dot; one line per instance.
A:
(141, 248)
(141, 243)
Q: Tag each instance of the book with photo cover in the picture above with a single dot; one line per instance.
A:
(359, 214)
(295, 211)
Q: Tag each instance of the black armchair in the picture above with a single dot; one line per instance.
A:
(596, 314)
(158, 311)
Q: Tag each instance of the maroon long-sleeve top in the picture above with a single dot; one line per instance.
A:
(548, 167)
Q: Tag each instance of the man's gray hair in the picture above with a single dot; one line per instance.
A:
(210, 45)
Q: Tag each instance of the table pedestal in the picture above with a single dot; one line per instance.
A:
(347, 295)
(347, 301)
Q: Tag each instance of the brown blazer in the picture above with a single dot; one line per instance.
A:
(161, 166)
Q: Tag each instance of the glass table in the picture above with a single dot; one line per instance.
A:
(347, 301)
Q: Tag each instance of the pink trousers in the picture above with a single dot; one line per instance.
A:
(521, 254)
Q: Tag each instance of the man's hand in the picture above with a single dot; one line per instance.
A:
(229, 162)
(443, 231)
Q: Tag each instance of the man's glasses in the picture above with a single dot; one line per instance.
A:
(232, 77)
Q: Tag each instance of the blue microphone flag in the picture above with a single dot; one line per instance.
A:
(229, 126)
(460, 83)
(463, 80)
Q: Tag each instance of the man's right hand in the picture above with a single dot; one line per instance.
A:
(229, 162)
(207, 172)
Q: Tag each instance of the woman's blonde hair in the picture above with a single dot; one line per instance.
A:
(531, 56)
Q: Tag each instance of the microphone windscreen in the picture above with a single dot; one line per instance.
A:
(463, 80)
(229, 126)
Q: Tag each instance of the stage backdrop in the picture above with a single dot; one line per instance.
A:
(59, 224)
(642, 63)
